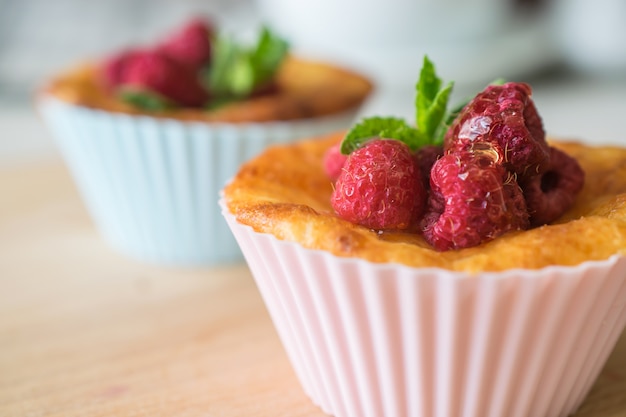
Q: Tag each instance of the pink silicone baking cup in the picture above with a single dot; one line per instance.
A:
(371, 340)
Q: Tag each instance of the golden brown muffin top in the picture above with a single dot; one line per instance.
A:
(285, 192)
(306, 89)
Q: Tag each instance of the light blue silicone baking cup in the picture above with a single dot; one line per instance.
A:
(151, 185)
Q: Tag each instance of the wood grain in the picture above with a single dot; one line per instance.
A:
(85, 331)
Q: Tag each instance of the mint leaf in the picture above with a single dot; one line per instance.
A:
(242, 77)
(218, 76)
(428, 86)
(431, 102)
(269, 53)
(237, 70)
(144, 99)
(380, 127)
(432, 117)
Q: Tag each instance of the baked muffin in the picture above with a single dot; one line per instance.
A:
(383, 322)
(151, 134)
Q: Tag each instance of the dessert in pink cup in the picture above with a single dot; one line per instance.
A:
(390, 312)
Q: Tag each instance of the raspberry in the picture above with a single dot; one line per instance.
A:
(473, 200)
(502, 119)
(157, 72)
(191, 45)
(380, 187)
(426, 157)
(112, 70)
(334, 161)
(550, 194)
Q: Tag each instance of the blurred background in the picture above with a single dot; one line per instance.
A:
(573, 52)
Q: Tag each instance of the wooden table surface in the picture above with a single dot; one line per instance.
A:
(85, 331)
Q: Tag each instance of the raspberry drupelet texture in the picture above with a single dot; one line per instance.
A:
(502, 119)
(473, 200)
(380, 187)
(550, 194)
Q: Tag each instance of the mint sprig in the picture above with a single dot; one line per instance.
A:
(431, 102)
(433, 119)
(237, 70)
